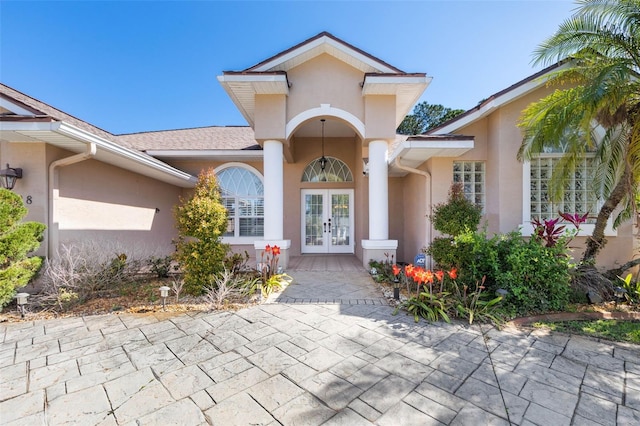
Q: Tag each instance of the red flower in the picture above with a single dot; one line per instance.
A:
(453, 273)
(396, 270)
(275, 250)
(267, 249)
(439, 275)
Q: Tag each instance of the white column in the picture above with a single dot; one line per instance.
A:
(378, 191)
(273, 190)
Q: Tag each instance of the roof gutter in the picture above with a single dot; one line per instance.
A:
(53, 191)
(428, 199)
(144, 159)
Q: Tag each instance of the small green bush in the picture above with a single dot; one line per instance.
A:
(17, 240)
(201, 221)
(457, 215)
(537, 278)
(472, 253)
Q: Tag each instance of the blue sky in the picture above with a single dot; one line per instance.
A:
(130, 66)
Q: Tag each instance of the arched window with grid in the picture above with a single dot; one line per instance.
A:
(242, 193)
(335, 171)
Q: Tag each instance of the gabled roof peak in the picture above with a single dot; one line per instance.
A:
(324, 42)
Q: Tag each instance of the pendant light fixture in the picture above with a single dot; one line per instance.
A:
(323, 160)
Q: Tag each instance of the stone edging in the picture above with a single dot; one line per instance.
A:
(575, 316)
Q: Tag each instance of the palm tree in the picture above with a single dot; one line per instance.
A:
(598, 89)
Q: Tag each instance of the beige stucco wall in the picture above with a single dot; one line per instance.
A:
(324, 80)
(99, 202)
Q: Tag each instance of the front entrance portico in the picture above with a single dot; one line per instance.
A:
(362, 100)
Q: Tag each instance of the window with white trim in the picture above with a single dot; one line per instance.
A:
(242, 193)
(471, 174)
(578, 196)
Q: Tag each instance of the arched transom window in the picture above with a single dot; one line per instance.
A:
(242, 193)
(334, 171)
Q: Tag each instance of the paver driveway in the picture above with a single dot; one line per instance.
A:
(347, 362)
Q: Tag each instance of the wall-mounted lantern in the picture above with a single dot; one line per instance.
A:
(9, 176)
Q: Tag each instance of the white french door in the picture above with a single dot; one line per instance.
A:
(327, 221)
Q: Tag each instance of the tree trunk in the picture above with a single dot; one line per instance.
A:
(596, 241)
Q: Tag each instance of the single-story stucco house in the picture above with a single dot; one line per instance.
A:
(323, 99)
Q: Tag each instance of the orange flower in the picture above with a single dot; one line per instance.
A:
(439, 275)
(453, 273)
(267, 249)
(275, 250)
(409, 270)
(396, 270)
(429, 276)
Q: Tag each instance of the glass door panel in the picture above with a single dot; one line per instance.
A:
(327, 221)
(340, 227)
(313, 208)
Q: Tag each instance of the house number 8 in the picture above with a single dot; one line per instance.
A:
(29, 199)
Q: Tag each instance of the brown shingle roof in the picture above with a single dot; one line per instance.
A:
(41, 109)
(234, 138)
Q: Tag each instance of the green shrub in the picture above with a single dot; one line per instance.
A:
(536, 277)
(201, 221)
(472, 253)
(457, 215)
(160, 266)
(17, 240)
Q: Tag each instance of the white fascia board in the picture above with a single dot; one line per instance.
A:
(398, 81)
(287, 57)
(206, 153)
(494, 104)
(252, 78)
(29, 126)
(443, 144)
(359, 56)
(129, 154)
(14, 108)
(325, 40)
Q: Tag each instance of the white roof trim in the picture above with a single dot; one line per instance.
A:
(499, 101)
(328, 111)
(369, 81)
(490, 107)
(322, 43)
(72, 138)
(414, 153)
(126, 153)
(14, 108)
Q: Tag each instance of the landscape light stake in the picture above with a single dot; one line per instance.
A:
(164, 292)
(21, 300)
(618, 293)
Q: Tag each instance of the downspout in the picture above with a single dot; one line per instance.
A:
(428, 199)
(90, 152)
